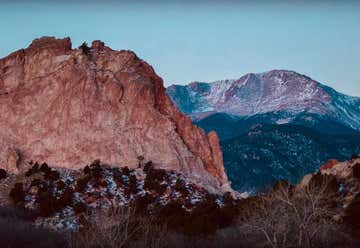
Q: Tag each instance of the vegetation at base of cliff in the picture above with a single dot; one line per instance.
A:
(163, 195)
(312, 215)
(285, 217)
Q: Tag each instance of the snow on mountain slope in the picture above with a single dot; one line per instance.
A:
(274, 91)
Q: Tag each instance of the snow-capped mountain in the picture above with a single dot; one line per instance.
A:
(273, 125)
(286, 93)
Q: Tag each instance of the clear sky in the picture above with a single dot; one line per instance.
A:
(206, 40)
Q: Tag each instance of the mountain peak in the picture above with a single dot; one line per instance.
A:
(275, 91)
(259, 93)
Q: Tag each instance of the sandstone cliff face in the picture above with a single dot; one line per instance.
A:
(67, 107)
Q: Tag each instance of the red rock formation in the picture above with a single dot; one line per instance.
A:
(329, 164)
(68, 108)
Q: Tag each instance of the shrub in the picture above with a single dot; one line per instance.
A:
(327, 183)
(152, 183)
(17, 193)
(141, 203)
(352, 213)
(148, 166)
(45, 168)
(125, 171)
(52, 175)
(80, 207)
(60, 185)
(300, 219)
(65, 199)
(132, 187)
(119, 227)
(356, 170)
(82, 183)
(3, 174)
(86, 170)
(354, 156)
(180, 186)
(33, 170)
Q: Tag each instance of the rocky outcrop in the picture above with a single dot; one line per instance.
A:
(329, 164)
(68, 107)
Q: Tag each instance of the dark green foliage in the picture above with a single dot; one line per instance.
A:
(125, 171)
(132, 187)
(251, 204)
(148, 166)
(52, 175)
(33, 170)
(154, 184)
(174, 216)
(356, 170)
(141, 203)
(3, 174)
(86, 169)
(48, 203)
(82, 183)
(80, 207)
(60, 185)
(154, 179)
(96, 164)
(352, 212)
(17, 193)
(329, 182)
(48, 173)
(180, 186)
(45, 168)
(282, 185)
(117, 178)
(257, 159)
(355, 156)
(157, 174)
(47, 194)
(228, 199)
(65, 199)
(96, 169)
(52, 195)
(206, 218)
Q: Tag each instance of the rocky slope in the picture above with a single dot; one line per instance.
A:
(347, 178)
(68, 107)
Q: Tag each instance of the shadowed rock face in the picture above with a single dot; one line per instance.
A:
(67, 107)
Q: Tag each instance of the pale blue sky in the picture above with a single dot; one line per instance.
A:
(206, 41)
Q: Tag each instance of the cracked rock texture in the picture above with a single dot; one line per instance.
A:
(68, 107)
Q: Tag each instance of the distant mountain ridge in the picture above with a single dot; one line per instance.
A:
(273, 125)
(286, 93)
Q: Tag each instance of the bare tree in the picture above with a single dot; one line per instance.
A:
(289, 217)
(119, 227)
